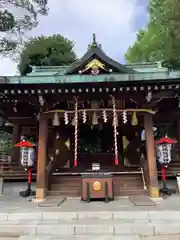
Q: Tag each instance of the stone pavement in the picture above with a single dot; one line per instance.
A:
(67, 219)
(16, 204)
(103, 237)
(94, 237)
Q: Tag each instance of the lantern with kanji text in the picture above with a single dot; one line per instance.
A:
(164, 156)
(27, 158)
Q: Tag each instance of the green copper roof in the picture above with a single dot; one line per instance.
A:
(148, 67)
(48, 70)
(94, 79)
(40, 71)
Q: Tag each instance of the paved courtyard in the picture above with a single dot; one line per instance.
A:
(60, 204)
(60, 218)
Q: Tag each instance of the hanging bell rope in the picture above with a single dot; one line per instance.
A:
(115, 130)
(76, 133)
(117, 122)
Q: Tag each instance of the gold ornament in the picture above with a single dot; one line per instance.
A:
(97, 186)
(134, 121)
(94, 64)
(125, 142)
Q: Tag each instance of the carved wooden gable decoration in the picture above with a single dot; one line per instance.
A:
(95, 62)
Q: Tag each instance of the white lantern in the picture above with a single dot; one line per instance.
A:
(27, 156)
(163, 150)
(164, 153)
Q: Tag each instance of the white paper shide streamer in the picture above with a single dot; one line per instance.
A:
(66, 118)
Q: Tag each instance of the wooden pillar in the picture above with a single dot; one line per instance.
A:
(16, 137)
(178, 137)
(42, 158)
(151, 157)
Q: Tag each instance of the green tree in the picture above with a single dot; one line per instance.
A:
(160, 41)
(46, 51)
(21, 16)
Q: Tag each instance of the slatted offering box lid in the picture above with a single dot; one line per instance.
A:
(95, 166)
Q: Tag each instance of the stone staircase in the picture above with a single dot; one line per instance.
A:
(116, 225)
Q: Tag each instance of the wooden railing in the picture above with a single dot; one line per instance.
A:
(5, 163)
(143, 174)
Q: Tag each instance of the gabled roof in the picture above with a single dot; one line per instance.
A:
(95, 50)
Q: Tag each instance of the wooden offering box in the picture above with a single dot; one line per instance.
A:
(97, 185)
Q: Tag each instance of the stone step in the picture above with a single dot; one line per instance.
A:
(42, 214)
(80, 237)
(76, 227)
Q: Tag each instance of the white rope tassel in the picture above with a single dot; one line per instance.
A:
(115, 130)
(76, 133)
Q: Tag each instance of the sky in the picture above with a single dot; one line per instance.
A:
(115, 23)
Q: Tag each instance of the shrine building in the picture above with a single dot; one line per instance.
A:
(90, 116)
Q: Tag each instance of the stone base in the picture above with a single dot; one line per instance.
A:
(1, 185)
(34, 200)
(153, 192)
(40, 193)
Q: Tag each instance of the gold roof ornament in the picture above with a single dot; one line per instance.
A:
(94, 64)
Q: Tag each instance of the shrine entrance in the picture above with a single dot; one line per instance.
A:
(116, 148)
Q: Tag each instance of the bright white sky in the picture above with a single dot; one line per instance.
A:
(115, 23)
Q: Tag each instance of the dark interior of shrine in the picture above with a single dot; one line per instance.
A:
(95, 142)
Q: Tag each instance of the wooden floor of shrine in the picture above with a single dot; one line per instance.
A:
(126, 181)
(67, 181)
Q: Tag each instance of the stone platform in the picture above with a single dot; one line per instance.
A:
(68, 219)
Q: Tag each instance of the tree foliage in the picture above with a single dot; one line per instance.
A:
(24, 14)
(160, 40)
(46, 51)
